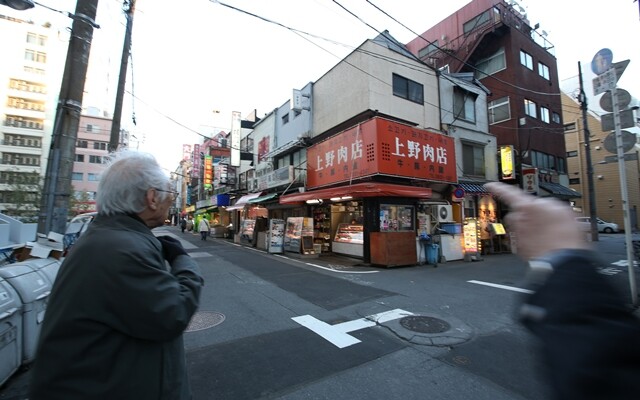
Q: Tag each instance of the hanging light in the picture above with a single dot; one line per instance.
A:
(19, 5)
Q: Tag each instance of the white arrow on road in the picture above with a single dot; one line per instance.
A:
(338, 334)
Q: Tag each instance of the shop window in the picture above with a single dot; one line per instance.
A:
(396, 218)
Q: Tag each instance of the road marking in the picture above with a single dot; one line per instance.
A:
(185, 244)
(495, 285)
(323, 267)
(609, 271)
(624, 263)
(200, 254)
(338, 334)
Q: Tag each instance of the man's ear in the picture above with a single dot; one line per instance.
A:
(151, 199)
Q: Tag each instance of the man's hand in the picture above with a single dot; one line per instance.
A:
(171, 248)
(541, 225)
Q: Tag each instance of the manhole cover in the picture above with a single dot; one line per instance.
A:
(204, 320)
(423, 324)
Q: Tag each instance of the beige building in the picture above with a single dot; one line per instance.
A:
(32, 63)
(606, 177)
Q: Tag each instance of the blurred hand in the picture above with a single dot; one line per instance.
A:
(171, 248)
(541, 225)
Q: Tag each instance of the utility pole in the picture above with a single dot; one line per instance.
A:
(54, 207)
(114, 139)
(587, 152)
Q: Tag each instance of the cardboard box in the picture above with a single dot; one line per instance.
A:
(49, 246)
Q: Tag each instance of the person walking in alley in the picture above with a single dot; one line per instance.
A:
(183, 224)
(122, 299)
(590, 337)
(204, 228)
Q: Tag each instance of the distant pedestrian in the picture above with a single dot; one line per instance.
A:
(204, 228)
(117, 311)
(183, 224)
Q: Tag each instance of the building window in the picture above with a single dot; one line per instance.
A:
(544, 114)
(476, 22)
(464, 105)
(99, 145)
(562, 165)
(93, 177)
(573, 153)
(433, 46)
(95, 159)
(544, 160)
(543, 71)
(499, 110)
(491, 65)
(570, 127)
(285, 119)
(77, 176)
(555, 117)
(408, 89)
(526, 59)
(36, 56)
(574, 181)
(530, 108)
(82, 144)
(79, 157)
(89, 128)
(473, 159)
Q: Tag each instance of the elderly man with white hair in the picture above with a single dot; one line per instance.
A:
(116, 314)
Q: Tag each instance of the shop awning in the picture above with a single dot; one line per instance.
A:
(560, 191)
(263, 199)
(359, 190)
(243, 201)
(472, 187)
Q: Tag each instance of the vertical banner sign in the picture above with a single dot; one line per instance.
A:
(506, 162)
(236, 127)
(530, 180)
(186, 152)
(208, 172)
(195, 159)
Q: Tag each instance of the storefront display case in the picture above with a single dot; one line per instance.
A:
(349, 239)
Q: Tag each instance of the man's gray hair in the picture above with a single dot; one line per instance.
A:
(124, 183)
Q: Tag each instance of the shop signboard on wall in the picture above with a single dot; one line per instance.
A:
(530, 180)
(276, 236)
(507, 162)
(382, 147)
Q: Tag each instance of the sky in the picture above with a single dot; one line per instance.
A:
(194, 62)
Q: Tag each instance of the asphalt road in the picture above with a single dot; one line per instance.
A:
(274, 327)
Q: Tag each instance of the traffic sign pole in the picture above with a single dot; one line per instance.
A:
(625, 196)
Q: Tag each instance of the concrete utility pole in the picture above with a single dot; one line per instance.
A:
(54, 207)
(587, 152)
(114, 139)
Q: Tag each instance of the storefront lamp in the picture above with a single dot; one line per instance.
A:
(314, 201)
(343, 198)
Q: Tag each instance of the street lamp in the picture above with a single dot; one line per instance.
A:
(19, 5)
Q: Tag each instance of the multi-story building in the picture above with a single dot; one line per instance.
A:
(32, 63)
(494, 40)
(606, 175)
(92, 145)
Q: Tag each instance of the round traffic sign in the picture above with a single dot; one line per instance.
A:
(628, 141)
(602, 61)
(624, 99)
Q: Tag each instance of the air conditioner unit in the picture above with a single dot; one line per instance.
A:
(442, 213)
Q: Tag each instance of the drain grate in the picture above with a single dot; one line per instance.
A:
(204, 320)
(424, 324)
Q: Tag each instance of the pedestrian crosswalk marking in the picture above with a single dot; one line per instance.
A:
(623, 263)
(200, 254)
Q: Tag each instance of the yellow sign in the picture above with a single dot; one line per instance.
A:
(506, 161)
(498, 229)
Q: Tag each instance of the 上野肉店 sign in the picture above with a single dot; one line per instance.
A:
(382, 147)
